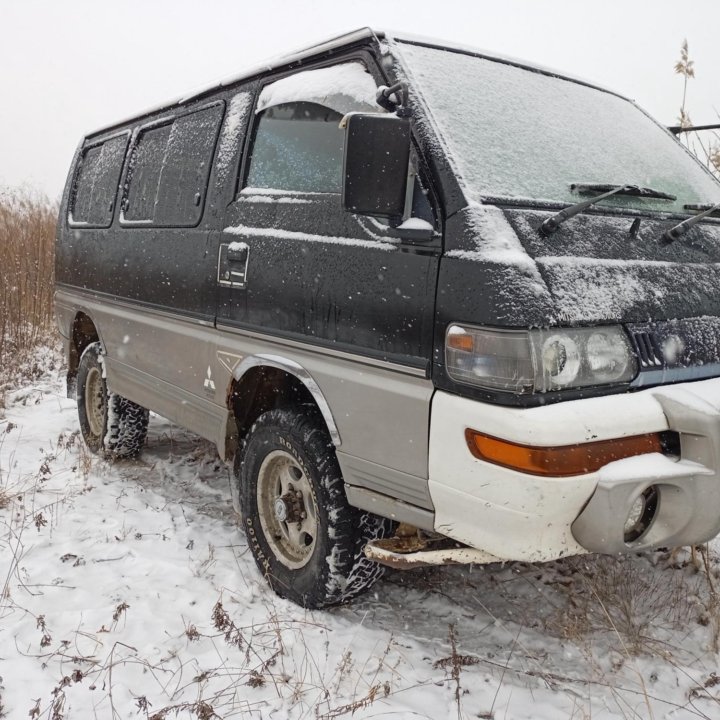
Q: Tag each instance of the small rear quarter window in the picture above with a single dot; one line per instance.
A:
(96, 183)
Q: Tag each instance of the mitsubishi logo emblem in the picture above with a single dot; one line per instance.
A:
(209, 384)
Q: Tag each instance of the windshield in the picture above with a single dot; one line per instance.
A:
(516, 133)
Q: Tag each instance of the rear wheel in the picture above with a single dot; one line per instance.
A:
(110, 423)
(305, 538)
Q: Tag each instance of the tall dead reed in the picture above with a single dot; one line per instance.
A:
(27, 234)
(705, 144)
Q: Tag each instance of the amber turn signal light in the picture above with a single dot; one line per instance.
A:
(560, 461)
(460, 341)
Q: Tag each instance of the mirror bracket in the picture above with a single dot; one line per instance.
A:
(422, 232)
(394, 99)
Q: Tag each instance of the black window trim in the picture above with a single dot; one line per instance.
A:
(80, 224)
(167, 119)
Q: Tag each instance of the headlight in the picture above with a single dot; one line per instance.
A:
(523, 361)
(560, 360)
(495, 359)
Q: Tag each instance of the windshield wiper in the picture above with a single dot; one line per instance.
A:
(701, 207)
(681, 228)
(583, 188)
(550, 225)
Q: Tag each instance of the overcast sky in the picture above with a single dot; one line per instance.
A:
(70, 66)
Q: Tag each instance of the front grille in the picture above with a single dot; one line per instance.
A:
(647, 349)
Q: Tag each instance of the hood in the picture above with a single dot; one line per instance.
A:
(592, 270)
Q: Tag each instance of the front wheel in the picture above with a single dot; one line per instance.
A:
(305, 537)
(110, 424)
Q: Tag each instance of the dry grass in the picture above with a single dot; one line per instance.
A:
(27, 237)
(632, 599)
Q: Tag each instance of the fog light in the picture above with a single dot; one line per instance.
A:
(641, 514)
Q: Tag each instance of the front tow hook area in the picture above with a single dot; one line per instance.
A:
(413, 548)
(650, 501)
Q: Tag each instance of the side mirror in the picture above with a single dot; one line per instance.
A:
(375, 166)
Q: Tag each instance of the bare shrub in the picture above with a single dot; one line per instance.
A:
(27, 236)
(454, 664)
(638, 600)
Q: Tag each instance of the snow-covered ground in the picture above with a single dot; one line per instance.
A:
(128, 592)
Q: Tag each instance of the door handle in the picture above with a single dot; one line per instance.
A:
(237, 254)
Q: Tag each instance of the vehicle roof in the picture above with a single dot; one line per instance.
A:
(335, 43)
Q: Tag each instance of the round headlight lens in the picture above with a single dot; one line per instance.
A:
(560, 359)
(607, 356)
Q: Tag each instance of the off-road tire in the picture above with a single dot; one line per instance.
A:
(110, 424)
(336, 569)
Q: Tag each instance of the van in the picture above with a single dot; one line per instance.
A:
(432, 305)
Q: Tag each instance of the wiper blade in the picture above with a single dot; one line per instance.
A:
(681, 228)
(634, 190)
(677, 129)
(701, 207)
(550, 225)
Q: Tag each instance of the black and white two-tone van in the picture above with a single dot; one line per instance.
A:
(435, 306)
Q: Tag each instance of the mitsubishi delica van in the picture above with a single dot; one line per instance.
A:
(433, 306)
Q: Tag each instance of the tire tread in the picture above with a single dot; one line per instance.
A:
(346, 572)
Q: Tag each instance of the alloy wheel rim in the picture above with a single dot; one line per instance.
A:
(95, 402)
(287, 509)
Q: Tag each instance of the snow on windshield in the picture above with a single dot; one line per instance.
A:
(343, 88)
(516, 133)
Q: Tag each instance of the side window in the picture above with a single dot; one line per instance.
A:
(96, 183)
(184, 177)
(169, 168)
(297, 146)
(144, 174)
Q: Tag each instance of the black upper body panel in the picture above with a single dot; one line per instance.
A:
(314, 272)
(322, 276)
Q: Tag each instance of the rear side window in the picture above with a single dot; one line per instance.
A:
(297, 146)
(96, 182)
(169, 168)
(144, 174)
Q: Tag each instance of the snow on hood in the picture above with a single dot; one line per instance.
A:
(590, 271)
(344, 88)
(597, 272)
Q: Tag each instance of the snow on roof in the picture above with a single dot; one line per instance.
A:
(332, 44)
(267, 66)
(346, 87)
(489, 55)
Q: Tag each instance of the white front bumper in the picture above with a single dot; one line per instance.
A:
(517, 516)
